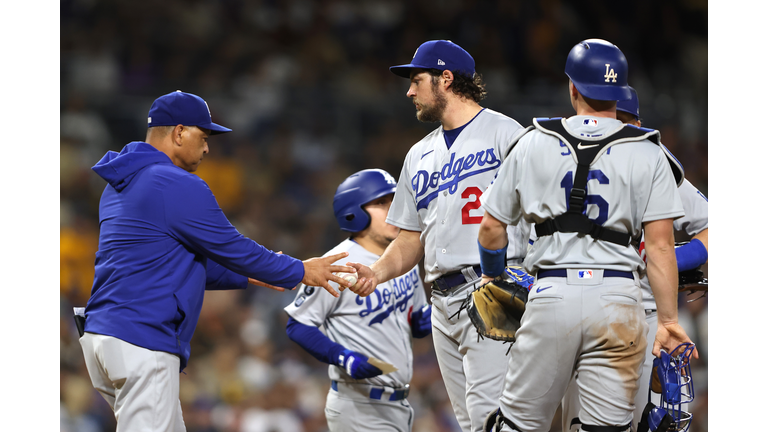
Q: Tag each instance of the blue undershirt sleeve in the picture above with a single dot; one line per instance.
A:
(691, 255)
(314, 341)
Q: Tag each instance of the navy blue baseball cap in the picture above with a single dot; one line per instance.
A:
(179, 108)
(630, 106)
(438, 54)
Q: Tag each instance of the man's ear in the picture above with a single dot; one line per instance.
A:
(176, 134)
(447, 78)
(572, 89)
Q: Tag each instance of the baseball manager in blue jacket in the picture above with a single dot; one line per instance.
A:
(163, 240)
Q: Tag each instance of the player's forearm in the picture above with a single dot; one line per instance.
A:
(313, 341)
(493, 233)
(492, 245)
(662, 268)
(400, 256)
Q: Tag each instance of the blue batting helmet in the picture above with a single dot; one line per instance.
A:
(631, 105)
(671, 378)
(357, 190)
(599, 70)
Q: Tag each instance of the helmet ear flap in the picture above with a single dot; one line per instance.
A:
(357, 218)
(353, 193)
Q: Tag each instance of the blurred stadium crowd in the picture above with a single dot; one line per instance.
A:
(306, 88)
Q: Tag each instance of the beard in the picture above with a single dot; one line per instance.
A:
(433, 113)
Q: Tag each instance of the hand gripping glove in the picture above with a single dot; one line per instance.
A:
(497, 307)
(357, 365)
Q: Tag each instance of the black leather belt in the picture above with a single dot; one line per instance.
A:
(564, 273)
(451, 280)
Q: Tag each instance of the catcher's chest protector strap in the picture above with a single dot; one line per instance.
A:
(586, 153)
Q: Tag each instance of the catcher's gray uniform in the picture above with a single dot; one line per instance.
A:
(378, 326)
(584, 312)
(696, 220)
(438, 194)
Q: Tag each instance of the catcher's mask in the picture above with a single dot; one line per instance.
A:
(671, 378)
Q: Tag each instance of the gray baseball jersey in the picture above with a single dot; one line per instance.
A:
(376, 325)
(532, 187)
(439, 192)
(582, 321)
(696, 220)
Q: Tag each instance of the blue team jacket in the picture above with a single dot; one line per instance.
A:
(162, 241)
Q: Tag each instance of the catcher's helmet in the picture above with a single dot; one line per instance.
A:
(631, 105)
(671, 377)
(599, 70)
(357, 190)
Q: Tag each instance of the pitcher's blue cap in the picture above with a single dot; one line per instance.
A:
(179, 108)
(630, 106)
(438, 54)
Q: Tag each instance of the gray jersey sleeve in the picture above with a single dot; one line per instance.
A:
(696, 207)
(695, 221)
(311, 305)
(663, 192)
(403, 213)
(502, 200)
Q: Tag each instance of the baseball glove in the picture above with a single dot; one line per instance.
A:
(496, 308)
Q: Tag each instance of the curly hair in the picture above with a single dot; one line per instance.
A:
(464, 86)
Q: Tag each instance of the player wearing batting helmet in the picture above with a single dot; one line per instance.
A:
(592, 186)
(368, 342)
(694, 224)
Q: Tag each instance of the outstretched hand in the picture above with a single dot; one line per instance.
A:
(668, 337)
(318, 271)
(366, 280)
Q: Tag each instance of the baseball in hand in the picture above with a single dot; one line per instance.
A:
(350, 277)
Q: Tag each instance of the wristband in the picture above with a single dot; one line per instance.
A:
(492, 262)
(691, 255)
